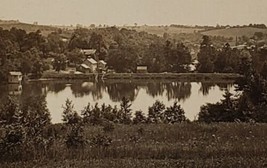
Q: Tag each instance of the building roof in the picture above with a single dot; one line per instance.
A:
(139, 67)
(85, 66)
(88, 51)
(102, 62)
(15, 73)
(92, 61)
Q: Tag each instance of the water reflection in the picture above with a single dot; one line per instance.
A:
(142, 93)
(117, 91)
(178, 90)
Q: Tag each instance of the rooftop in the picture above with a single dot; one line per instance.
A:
(88, 51)
(102, 62)
(91, 60)
(15, 73)
(85, 66)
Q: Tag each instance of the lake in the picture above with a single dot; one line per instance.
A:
(143, 93)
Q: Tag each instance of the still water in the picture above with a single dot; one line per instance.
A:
(190, 95)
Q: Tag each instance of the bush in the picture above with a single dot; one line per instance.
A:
(174, 114)
(75, 138)
(70, 116)
(139, 117)
(155, 112)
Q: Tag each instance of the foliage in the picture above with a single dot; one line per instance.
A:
(139, 117)
(206, 56)
(24, 125)
(101, 141)
(174, 114)
(125, 111)
(155, 112)
(70, 116)
(10, 112)
(75, 138)
(224, 111)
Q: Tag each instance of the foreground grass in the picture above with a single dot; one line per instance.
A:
(162, 145)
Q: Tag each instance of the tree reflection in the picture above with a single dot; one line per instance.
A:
(56, 87)
(87, 88)
(205, 87)
(224, 86)
(117, 91)
(178, 90)
(155, 89)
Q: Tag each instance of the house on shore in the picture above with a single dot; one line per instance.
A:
(14, 77)
(101, 66)
(88, 66)
(141, 69)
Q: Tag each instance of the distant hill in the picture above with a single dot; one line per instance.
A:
(233, 32)
(160, 30)
(27, 27)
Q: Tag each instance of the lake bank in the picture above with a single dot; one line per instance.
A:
(190, 77)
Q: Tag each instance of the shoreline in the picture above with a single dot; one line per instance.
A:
(190, 77)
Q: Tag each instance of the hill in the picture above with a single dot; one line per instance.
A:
(27, 27)
(233, 32)
(160, 30)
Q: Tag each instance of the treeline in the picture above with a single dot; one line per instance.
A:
(122, 49)
(230, 59)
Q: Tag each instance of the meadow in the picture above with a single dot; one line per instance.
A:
(156, 145)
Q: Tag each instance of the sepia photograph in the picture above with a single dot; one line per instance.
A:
(133, 83)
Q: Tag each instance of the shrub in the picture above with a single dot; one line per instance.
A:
(9, 112)
(75, 138)
(224, 111)
(155, 112)
(139, 117)
(125, 111)
(174, 114)
(70, 116)
(92, 116)
(108, 126)
(101, 141)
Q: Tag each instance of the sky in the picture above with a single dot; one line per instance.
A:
(128, 12)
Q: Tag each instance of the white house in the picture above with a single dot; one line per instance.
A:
(141, 69)
(102, 66)
(15, 77)
(88, 66)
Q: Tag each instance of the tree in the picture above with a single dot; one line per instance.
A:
(174, 114)
(9, 112)
(155, 112)
(224, 111)
(206, 56)
(123, 59)
(70, 116)
(125, 111)
(35, 115)
(60, 62)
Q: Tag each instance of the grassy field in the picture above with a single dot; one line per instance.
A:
(161, 145)
(233, 32)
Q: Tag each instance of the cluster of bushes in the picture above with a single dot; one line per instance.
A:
(97, 115)
(24, 128)
(249, 106)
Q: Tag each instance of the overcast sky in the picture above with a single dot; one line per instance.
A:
(151, 12)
